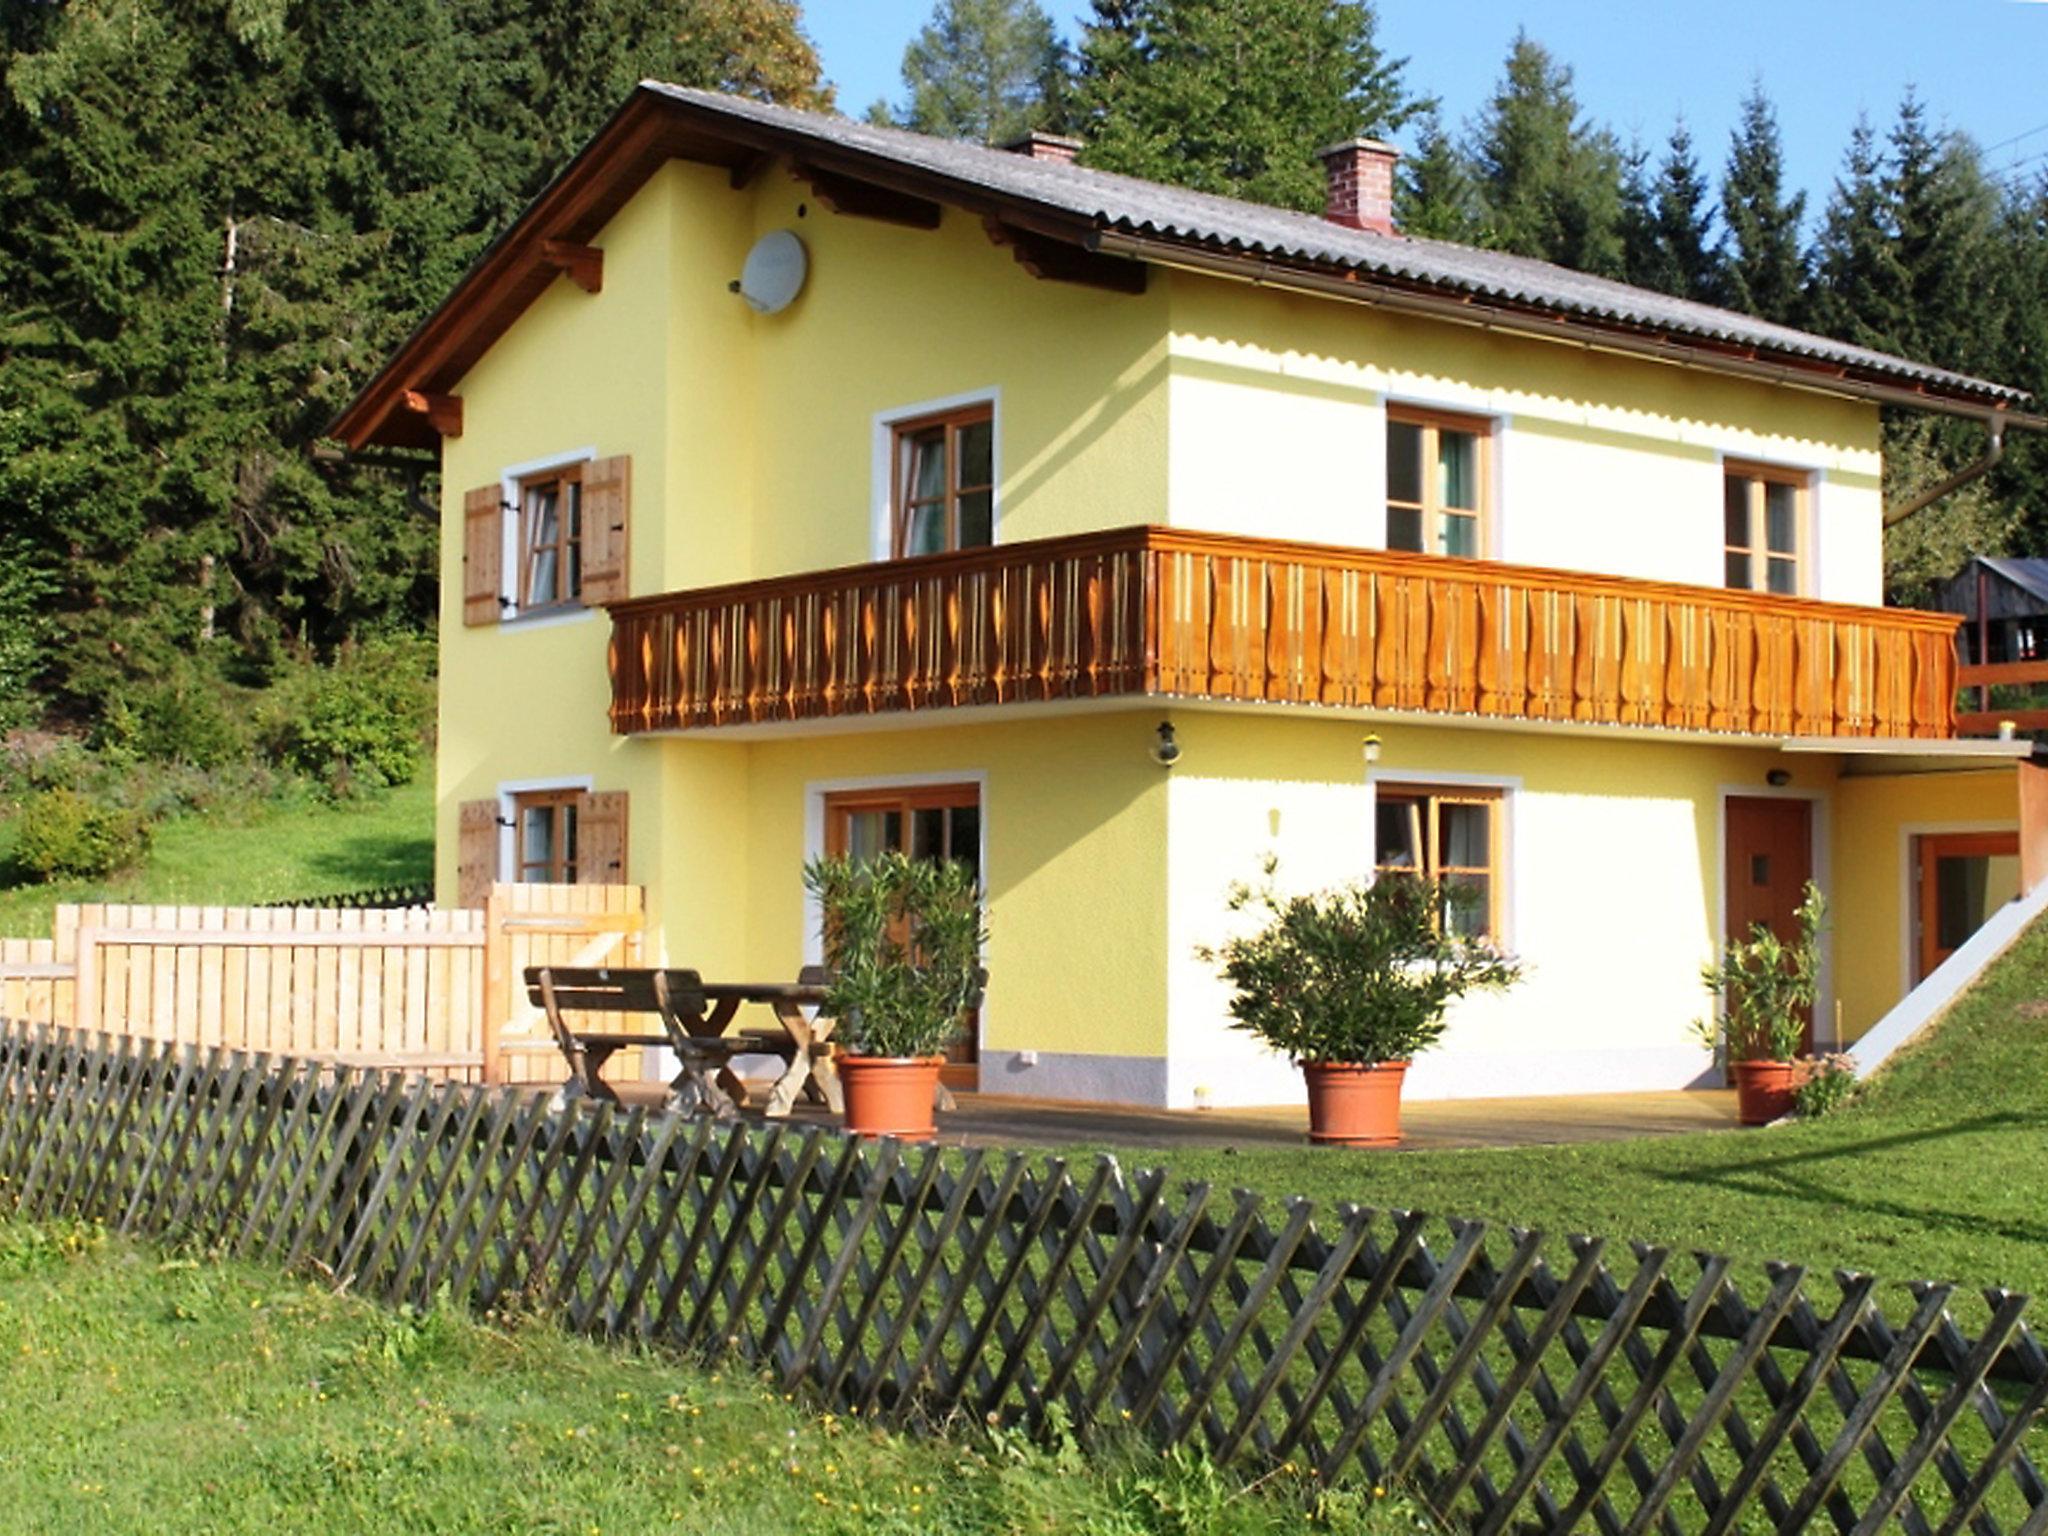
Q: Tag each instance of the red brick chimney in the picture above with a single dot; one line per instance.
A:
(1360, 191)
(1044, 146)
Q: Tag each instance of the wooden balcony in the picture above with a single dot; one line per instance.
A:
(1160, 612)
(1987, 719)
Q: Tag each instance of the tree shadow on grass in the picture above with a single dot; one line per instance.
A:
(1797, 1174)
(361, 863)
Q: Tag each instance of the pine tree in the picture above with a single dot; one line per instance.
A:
(1763, 271)
(1433, 192)
(1667, 222)
(1234, 96)
(1943, 213)
(1857, 291)
(1685, 222)
(2021, 478)
(1551, 183)
(1642, 261)
(221, 219)
(985, 70)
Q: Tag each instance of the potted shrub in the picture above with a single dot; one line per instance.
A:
(1349, 984)
(903, 944)
(1765, 986)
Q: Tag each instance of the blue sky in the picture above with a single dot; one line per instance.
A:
(1981, 65)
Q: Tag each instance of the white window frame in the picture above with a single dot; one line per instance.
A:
(510, 478)
(1494, 532)
(882, 481)
(818, 791)
(1507, 786)
(1812, 478)
(508, 821)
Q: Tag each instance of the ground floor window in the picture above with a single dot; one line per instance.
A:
(926, 821)
(1449, 835)
(544, 836)
(1963, 878)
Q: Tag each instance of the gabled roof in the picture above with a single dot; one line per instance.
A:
(2018, 587)
(1112, 217)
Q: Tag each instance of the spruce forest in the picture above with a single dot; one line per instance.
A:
(217, 217)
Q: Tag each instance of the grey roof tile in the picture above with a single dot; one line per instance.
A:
(1139, 207)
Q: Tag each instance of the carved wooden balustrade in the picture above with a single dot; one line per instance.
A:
(1175, 614)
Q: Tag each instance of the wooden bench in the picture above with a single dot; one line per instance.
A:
(671, 997)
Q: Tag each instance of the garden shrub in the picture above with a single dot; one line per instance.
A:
(68, 835)
(1828, 1087)
(183, 718)
(360, 722)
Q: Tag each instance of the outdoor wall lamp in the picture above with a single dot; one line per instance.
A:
(1372, 749)
(1165, 751)
(1778, 778)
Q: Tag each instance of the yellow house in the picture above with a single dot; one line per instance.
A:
(815, 486)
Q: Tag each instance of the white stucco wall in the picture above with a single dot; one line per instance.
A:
(1277, 428)
(1612, 894)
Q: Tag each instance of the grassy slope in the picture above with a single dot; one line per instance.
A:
(264, 853)
(1939, 1174)
(182, 1397)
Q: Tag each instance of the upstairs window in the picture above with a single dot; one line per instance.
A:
(1450, 836)
(1764, 511)
(944, 483)
(1437, 471)
(548, 538)
(551, 539)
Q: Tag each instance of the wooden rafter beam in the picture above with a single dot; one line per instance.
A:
(443, 412)
(583, 265)
(747, 168)
(1059, 262)
(869, 200)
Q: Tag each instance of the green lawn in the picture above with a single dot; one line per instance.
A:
(177, 1396)
(260, 853)
(1941, 1173)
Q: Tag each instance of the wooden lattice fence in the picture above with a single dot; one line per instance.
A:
(1510, 1385)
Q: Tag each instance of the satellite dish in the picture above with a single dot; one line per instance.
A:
(774, 273)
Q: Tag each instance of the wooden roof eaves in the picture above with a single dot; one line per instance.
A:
(511, 273)
(652, 127)
(647, 130)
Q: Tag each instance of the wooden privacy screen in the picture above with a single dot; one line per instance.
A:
(1510, 1383)
(423, 989)
(1174, 614)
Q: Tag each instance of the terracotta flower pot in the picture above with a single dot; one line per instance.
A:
(1763, 1090)
(1354, 1106)
(891, 1095)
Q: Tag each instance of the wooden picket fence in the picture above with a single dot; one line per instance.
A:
(427, 989)
(1511, 1386)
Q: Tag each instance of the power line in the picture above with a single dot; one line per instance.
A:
(2002, 143)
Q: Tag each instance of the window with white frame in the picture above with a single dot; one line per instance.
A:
(1439, 472)
(1451, 836)
(942, 481)
(1764, 515)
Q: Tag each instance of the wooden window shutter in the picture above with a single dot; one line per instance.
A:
(476, 852)
(601, 838)
(483, 554)
(607, 515)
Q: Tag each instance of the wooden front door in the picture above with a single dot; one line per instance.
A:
(927, 822)
(1769, 860)
(1961, 879)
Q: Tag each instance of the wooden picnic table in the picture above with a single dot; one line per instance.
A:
(810, 1063)
(695, 1018)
